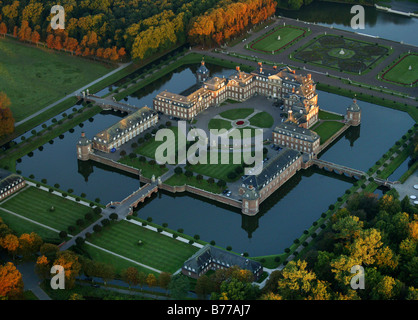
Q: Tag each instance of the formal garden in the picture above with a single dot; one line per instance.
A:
(343, 54)
(279, 39)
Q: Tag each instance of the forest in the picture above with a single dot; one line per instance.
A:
(114, 29)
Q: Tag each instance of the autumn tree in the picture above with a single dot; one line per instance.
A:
(164, 280)
(70, 262)
(151, 280)
(11, 243)
(29, 244)
(3, 29)
(131, 276)
(11, 283)
(6, 116)
(43, 268)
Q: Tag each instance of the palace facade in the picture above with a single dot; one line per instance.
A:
(10, 183)
(296, 92)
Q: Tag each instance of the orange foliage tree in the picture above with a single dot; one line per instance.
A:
(11, 283)
(7, 122)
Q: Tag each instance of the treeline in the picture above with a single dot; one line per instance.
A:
(380, 235)
(229, 20)
(111, 29)
(7, 122)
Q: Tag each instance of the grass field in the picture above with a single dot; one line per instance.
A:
(181, 180)
(262, 120)
(149, 148)
(35, 204)
(400, 72)
(235, 114)
(327, 129)
(219, 124)
(269, 43)
(35, 77)
(147, 169)
(324, 115)
(21, 226)
(157, 251)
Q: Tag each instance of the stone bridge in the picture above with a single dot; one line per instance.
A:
(108, 103)
(322, 164)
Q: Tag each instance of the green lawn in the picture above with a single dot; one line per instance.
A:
(217, 171)
(262, 120)
(324, 115)
(149, 147)
(235, 114)
(157, 251)
(219, 124)
(118, 263)
(327, 129)
(400, 73)
(35, 77)
(34, 204)
(147, 169)
(181, 180)
(21, 226)
(271, 43)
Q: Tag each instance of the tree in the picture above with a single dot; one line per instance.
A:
(164, 280)
(236, 290)
(142, 279)
(151, 280)
(49, 250)
(179, 286)
(106, 272)
(3, 29)
(70, 262)
(204, 286)
(11, 243)
(42, 267)
(130, 276)
(178, 170)
(6, 116)
(11, 283)
(29, 244)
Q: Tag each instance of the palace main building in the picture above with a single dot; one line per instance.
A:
(297, 92)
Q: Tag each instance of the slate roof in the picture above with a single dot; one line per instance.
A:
(126, 124)
(8, 179)
(293, 130)
(284, 158)
(354, 106)
(202, 258)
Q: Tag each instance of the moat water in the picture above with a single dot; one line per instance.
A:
(377, 23)
(282, 218)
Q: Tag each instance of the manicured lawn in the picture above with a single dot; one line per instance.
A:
(149, 147)
(400, 72)
(262, 120)
(217, 171)
(35, 204)
(270, 42)
(157, 251)
(235, 114)
(324, 115)
(147, 169)
(219, 124)
(21, 226)
(35, 77)
(181, 180)
(327, 129)
(119, 263)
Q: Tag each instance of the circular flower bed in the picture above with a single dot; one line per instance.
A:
(239, 123)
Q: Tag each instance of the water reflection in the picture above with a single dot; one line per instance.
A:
(378, 23)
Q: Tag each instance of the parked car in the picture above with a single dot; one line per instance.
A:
(113, 150)
(229, 194)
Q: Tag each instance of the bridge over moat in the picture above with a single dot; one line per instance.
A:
(108, 103)
(358, 174)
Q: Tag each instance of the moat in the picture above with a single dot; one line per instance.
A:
(282, 217)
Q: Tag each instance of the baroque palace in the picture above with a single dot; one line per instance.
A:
(297, 142)
(297, 92)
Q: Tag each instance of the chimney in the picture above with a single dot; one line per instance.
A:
(293, 90)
